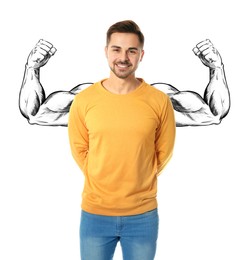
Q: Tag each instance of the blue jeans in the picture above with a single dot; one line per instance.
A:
(137, 234)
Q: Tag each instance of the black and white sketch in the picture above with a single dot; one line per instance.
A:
(190, 108)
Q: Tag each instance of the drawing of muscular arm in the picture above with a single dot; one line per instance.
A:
(34, 106)
(190, 108)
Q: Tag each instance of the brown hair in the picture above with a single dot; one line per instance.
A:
(127, 26)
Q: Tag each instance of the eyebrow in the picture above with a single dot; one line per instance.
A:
(130, 48)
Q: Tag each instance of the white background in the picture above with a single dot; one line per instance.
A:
(201, 193)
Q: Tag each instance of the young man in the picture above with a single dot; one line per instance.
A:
(122, 133)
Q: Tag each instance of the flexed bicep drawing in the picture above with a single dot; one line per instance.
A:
(190, 108)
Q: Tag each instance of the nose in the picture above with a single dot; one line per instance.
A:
(124, 56)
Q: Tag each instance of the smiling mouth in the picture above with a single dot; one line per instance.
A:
(123, 66)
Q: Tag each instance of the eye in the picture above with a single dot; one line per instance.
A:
(132, 52)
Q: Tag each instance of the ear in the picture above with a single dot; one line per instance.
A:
(142, 55)
(106, 49)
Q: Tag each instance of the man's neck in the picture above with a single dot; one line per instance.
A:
(121, 86)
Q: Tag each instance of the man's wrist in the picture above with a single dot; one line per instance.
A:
(218, 67)
(28, 66)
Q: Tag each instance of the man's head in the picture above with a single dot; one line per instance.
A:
(124, 49)
(127, 26)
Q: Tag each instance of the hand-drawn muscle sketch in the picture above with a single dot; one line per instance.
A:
(190, 108)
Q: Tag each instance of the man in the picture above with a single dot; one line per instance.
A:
(102, 153)
(190, 108)
(121, 133)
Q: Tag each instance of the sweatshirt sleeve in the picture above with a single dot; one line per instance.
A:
(165, 136)
(78, 134)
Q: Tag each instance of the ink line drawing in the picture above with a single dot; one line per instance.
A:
(190, 108)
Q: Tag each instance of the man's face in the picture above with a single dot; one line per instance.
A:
(124, 54)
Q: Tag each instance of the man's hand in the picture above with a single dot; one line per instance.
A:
(208, 54)
(40, 54)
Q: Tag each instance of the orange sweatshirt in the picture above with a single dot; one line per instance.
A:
(121, 143)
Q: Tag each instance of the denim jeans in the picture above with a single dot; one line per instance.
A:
(137, 235)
